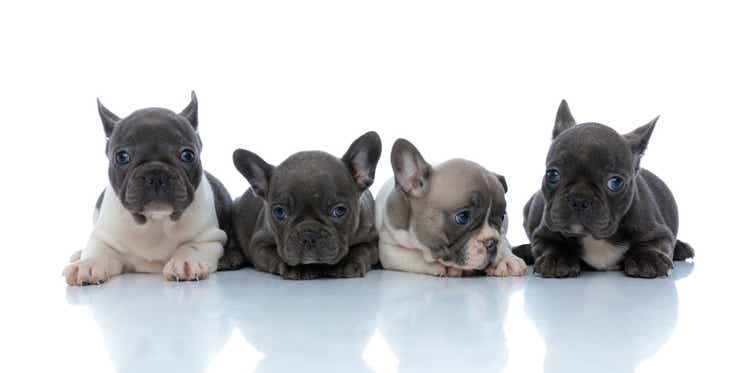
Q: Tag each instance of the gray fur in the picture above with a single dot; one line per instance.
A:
(309, 242)
(427, 198)
(642, 216)
(154, 139)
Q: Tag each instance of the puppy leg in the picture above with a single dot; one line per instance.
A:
(555, 259)
(397, 258)
(96, 264)
(649, 259)
(359, 260)
(506, 264)
(193, 261)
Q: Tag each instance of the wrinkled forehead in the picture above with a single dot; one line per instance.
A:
(590, 146)
(459, 183)
(317, 176)
(157, 126)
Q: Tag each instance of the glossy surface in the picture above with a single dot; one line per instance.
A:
(248, 321)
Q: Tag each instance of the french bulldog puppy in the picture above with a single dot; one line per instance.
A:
(597, 207)
(446, 220)
(310, 217)
(160, 213)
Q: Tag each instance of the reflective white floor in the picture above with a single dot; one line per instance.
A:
(246, 321)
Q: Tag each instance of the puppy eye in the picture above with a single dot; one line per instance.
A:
(552, 176)
(338, 211)
(279, 213)
(187, 156)
(615, 183)
(122, 157)
(463, 217)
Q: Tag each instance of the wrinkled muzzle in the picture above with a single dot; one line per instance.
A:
(310, 242)
(578, 214)
(156, 187)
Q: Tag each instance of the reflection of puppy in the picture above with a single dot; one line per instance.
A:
(161, 212)
(305, 326)
(599, 206)
(310, 217)
(443, 220)
(147, 324)
(602, 323)
(437, 326)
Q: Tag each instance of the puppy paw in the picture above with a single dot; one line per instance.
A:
(556, 265)
(349, 268)
(92, 271)
(647, 264)
(231, 260)
(510, 265)
(453, 272)
(301, 272)
(185, 269)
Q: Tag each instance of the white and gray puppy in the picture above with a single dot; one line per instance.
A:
(446, 220)
(161, 213)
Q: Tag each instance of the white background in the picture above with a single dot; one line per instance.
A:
(473, 79)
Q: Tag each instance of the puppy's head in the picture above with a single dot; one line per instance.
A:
(313, 198)
(591, 174)
(456, 210)
(154, 159)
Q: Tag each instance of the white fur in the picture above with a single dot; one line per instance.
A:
(401, 250)
(601, 254)
(188, 248)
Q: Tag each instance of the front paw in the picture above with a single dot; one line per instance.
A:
(509, 265)
(299, 272)
(92, 271)
(349, 268)
(231, 260)
(647, 264)
(556, 265)
(185, 269)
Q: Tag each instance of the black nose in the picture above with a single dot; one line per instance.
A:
(491, 245)
(578, 203)
(310, 238)
(156, 181)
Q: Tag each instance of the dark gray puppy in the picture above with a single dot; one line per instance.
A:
(599, 207)
(310, 217)
(160, 213)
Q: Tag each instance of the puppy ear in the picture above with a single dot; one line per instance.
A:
(109, 119)
(410, 170)
(362, 158)
(255, 170)
(502, 181)
(638, 140)
(564, 119)
(191, 111)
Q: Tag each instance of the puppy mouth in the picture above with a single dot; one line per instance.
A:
(311, 245)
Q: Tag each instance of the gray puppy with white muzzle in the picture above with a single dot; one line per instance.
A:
(598, 208)
(160, 213)
(444, 220)
(312, 216)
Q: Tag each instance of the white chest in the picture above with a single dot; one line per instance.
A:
(159, 237)
(601, 254)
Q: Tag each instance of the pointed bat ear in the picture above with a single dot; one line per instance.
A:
(255, 170)
(564, 119)
(502, 181)
(362, 159)
(109, 119)
(411, 172)
(638, 140)
(191, 111)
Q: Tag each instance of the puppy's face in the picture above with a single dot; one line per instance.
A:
(456, 210)
(313, 198)
(154, 160)
(591, 174)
